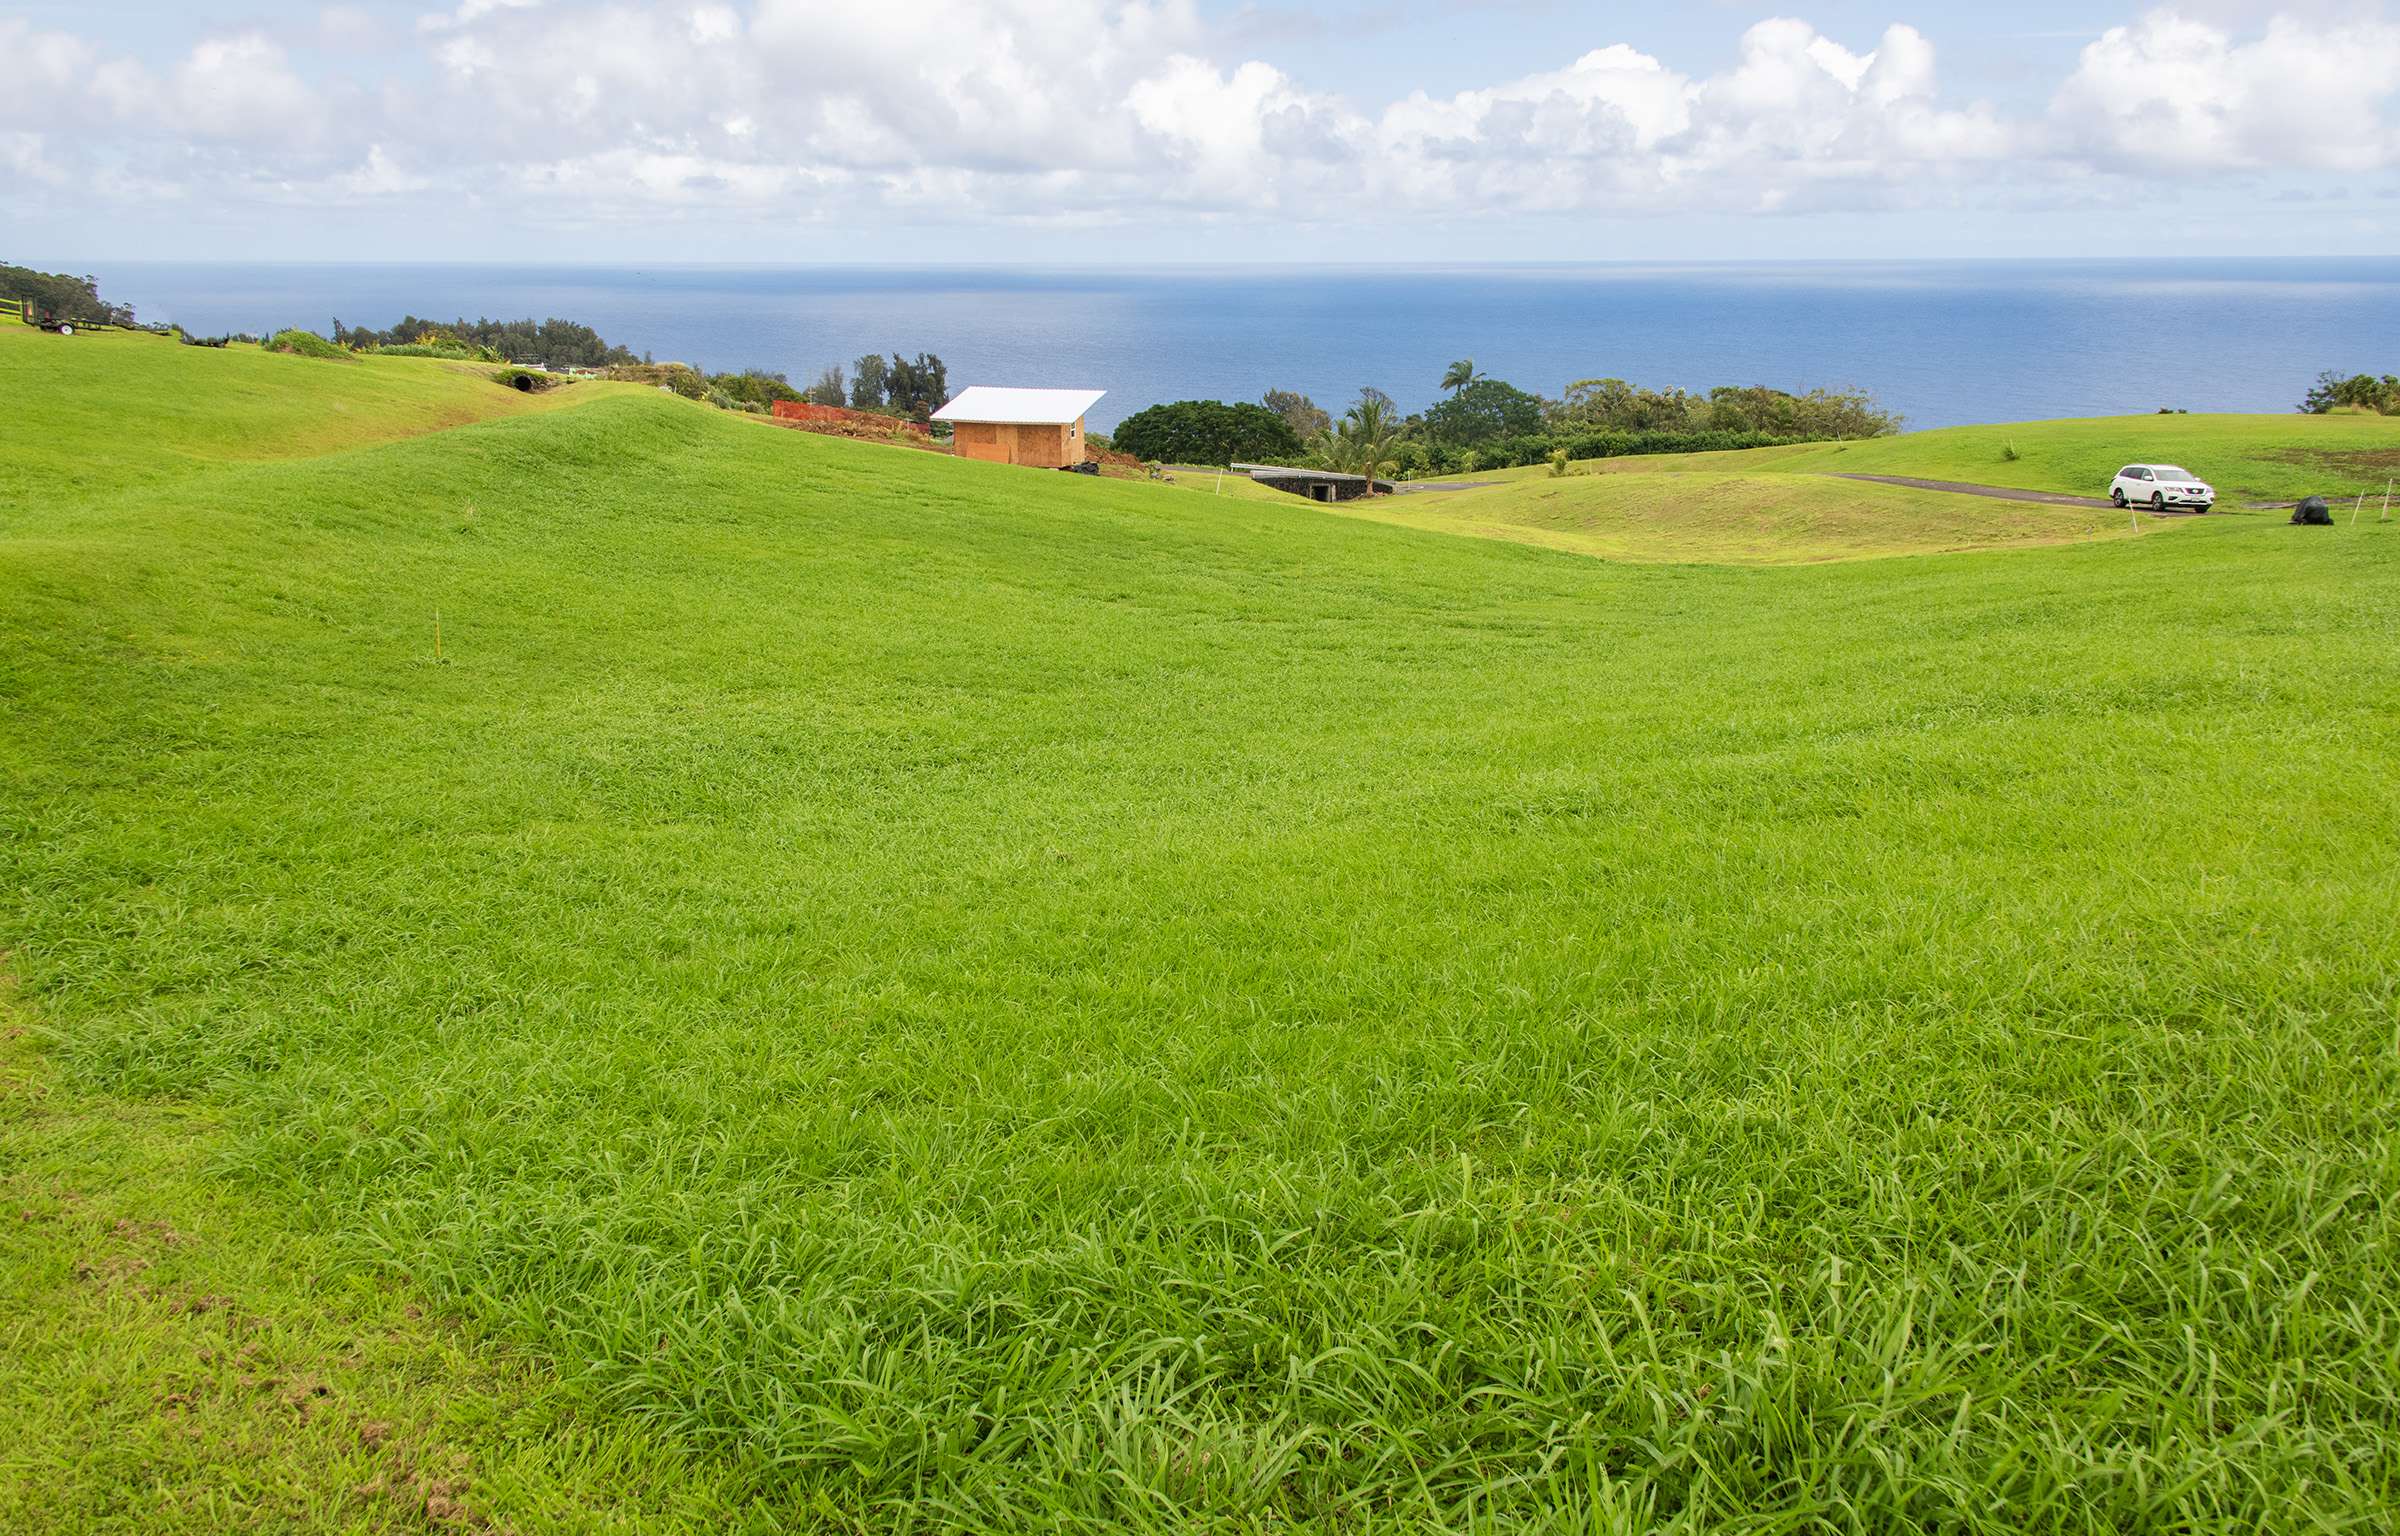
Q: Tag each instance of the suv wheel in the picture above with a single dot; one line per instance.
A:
(2158, 501)
(2116, 493)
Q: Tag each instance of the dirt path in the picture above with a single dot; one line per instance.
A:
(1430, 487)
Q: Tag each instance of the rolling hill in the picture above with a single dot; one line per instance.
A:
(865, 991)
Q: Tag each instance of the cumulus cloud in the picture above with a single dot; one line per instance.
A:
(241, 88)
(1091, 110)
(468, 13)
(2176, 94)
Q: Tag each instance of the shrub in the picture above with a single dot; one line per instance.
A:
(755, 386)
(1558, 462)
(309, 344)
(2008, 453)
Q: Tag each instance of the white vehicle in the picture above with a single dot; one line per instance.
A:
(2160, 486)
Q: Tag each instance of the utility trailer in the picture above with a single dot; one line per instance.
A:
(42, 318)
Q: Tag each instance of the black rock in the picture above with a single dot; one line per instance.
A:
(2313, 513)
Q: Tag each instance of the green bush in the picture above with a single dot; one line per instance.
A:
(1558, 461)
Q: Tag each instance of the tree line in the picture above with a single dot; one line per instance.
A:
(2353, 392)
(554, 342)
(71, 298)
(1486, 423)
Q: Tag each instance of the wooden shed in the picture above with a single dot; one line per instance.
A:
(1040, 427)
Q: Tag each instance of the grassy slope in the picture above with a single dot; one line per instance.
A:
(130, 408)
(1781, 505)
(2245, 457)
(1046, 1005)
(1725, 518)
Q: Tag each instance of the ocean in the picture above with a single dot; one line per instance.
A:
(1941, 342)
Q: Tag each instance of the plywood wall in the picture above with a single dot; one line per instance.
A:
(1039, 447)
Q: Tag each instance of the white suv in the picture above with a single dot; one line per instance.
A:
(2160, 486)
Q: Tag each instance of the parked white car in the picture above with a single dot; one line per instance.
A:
(2160, 486)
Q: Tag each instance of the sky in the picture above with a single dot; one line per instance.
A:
(1088, 131)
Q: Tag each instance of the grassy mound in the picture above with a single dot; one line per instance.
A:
(958, 999)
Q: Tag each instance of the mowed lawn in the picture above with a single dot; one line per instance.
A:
(869, 992)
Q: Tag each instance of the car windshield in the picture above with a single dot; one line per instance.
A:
(2172, 472)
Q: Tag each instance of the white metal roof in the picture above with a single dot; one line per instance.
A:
(1019, 407)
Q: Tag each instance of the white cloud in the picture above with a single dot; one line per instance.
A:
(468, 13)
(241, 88)
(21, 155)
(2170, 93)
(1082, 111)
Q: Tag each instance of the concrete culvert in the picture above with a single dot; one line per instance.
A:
(523, 383)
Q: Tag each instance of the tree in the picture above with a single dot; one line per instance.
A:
(1459, 375)
(2358, 392)
(868, 377)
(828, 390)
(1373, 428)
(1206, 432)
(918, 386)
(1366, 442)
(1481, 410)
(1304, 416)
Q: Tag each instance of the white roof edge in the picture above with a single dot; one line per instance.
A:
(1019, 407)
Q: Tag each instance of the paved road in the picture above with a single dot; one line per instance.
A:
(1996, 492)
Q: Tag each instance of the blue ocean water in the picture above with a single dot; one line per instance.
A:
(1942, 342)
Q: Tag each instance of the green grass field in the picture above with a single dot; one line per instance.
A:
(869, 992)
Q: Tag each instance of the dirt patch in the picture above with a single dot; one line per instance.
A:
(2355, 461)
(894, 435)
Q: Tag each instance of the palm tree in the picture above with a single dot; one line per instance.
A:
(1329, 448)
(1372, 431)
(1459, 375)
